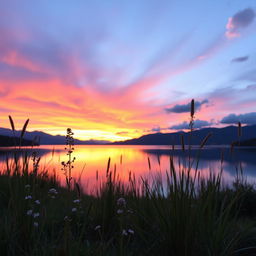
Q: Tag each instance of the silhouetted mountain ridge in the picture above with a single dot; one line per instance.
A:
(47, 139)
(220, 136)
(7, 141)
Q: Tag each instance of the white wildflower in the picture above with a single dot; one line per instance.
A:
(74, 209)
(97, 227)
(29, 212)
(36, 214)
(28, 197)
(35, 224)
(121, 202)
(124, 232)
(130, 231)
(37, 202)
(77, 201)
(53, 191)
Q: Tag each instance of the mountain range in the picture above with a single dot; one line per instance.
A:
(47, 139)
(220, 136)
(10, 141)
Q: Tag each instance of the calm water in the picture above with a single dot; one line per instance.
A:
(94, 159)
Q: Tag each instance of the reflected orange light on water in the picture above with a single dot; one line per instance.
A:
(92, 160)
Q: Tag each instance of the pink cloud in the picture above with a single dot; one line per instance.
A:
(238, 22)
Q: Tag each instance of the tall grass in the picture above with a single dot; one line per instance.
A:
(179, 213)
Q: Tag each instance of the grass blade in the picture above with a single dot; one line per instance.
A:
(24, 129)
(12, 123)
(205, 140)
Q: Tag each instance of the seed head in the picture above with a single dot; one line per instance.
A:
(192, 108)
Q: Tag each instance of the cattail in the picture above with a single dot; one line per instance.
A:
(205, 140)
(192, 108)
(13, 129)
(12, 123)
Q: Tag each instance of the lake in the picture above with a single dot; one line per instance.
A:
(92, 161)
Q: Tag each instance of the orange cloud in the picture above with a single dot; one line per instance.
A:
(55, 106)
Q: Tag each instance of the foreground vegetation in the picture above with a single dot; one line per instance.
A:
(181, 214)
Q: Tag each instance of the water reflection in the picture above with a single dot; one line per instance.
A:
(125, 159)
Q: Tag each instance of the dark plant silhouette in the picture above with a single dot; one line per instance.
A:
(69, 164)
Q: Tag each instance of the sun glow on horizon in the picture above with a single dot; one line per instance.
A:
(91, 134)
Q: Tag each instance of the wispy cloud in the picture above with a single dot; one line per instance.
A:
(185, 125)
(240, 59)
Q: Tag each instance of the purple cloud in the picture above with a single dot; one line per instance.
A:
(247, 118)
(185, 125)
(239, 21)
(183, 108)
(240, 59)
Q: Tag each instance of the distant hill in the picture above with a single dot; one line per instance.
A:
(6, 141)
(47, 139)
(220, 136)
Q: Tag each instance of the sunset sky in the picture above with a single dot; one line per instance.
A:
(114, 70)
